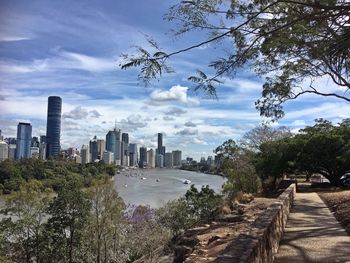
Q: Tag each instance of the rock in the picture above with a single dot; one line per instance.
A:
(181, 252)
(188, 241)
(212, 239)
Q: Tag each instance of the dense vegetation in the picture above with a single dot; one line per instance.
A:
(94, 225)
(265, 156)
(52, 173)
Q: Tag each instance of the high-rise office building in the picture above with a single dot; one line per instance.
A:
(113, 144)
(125, 149)
(177, 157)
(161, 148)
(4, 151)
(101, 147)
(53, 128)
(85, 154)
(108, 157)
(151, 158)
(93, 149)
(24, 138)
(159, 160)
(143, 157)
(168, 160)
(132, 154)
(12, 151)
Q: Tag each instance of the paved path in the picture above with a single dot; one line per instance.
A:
(313, 234)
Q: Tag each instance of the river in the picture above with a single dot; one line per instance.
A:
(169, 186)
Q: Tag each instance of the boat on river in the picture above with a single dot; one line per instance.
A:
(186, 181)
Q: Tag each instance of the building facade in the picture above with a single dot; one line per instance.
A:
(177, 157)
(143, 157)
(151, 158)
(4, 151)
(160, 160)
(132, 154)
(85, 154)
(108, 157)
(53, 128)
(24, 138)
(168, 160)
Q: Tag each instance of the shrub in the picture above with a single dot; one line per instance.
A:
(203, 204)
(177, 216)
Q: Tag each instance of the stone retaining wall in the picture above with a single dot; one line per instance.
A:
(260, 244)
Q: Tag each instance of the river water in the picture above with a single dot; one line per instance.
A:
(169, 186)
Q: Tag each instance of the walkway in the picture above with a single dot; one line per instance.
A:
(313, 234)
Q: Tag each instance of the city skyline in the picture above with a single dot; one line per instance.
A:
(77, 59)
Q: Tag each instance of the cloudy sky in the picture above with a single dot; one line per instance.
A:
(72, 49)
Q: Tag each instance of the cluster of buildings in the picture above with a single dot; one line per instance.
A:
(118, 150)
(26, 146)
(115, 149)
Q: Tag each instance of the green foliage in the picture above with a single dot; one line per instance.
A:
(53, 173)
(69, 214)
(177, 216)
(323, 148)
(203, 204)
(23, 238)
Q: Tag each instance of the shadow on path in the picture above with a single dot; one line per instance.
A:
(313, 234)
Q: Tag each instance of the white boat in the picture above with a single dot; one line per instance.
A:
(143, 178)
(125, 185)
(187, 181)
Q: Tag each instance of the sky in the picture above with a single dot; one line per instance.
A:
(73, 49)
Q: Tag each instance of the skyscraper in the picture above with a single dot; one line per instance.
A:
(125, 149)
(143, 157)
(151, 159)
(113, 144)
(160, 144)
(53, 128)
(4, 150)
(85, 154)
(93, 149)
(177, 157)
(24, 138)
(168, 160)
(132, 154)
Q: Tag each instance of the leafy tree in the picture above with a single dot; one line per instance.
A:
(24, 236)
(291, 43)
(204, 203)
(69, 213)
(105, 230)
(176, 215)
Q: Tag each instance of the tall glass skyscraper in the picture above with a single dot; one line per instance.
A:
(24, 139)
(53, 128)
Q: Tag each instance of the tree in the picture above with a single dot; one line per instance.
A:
(106, 225)
(291, 42)
(24, 235)
(204, 203)
(262, 134)
(69, 214)
(323, 148)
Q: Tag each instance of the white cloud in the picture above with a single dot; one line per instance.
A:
(175, 93)
(298, 123)
(77, 113)
(62, 60)
(9, 38)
